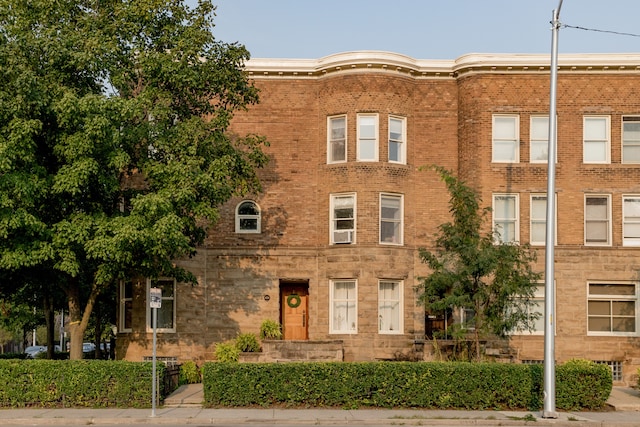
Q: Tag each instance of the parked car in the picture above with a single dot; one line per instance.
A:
(88, 347)
(34, 350)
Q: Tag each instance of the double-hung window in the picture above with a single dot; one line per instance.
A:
(612, 309)
(367, 138)
(539, 137)
(397, 140)
(126, 306)
(390, 307)
(166, 313)
(538, 218)
(631, 220)
(534, 313)
(506, 140)
(506, 218)
(597, 220)
(343, 219)
(631, 139)
(596, 146)
(344, 307)
(247, 217)
(337, 139)
(391, 219)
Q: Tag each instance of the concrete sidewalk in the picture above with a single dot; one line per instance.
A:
(187, 410)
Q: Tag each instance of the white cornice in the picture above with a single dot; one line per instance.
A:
(379, 61)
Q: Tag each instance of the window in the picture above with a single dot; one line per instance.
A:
(538, 217)
(631, 139)
(539, 136)
(343, 307)
(468, 318)
(166, 313)
(390, 307)
(506, 144)
(535, 313)
(247, 217)
(631, 221)
(337, 139)
(126, 305)
(397, 138)
(505, 217)
(343, 219)
(368, 137)
(597, 226)
(596, 139)
(612, 309)
(391, 219)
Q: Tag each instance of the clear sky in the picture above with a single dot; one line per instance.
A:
(424, 29)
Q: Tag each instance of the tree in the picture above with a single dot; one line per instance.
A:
(114, 150)
(474, 270)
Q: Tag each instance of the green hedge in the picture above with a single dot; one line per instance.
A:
(81, 383)
(437, 385)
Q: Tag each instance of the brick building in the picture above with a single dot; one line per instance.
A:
(345, 205)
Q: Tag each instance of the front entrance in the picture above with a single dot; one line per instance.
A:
(294, 309)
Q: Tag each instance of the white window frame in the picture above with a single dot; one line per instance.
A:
(588, 220)
(612, 298)
(124, 302)
(400, 140)
(630, 220)
(240, 217)
(334, 230)
(399, 222)
(538, 299)
(498, 218)
(388, 306)
(505, 140)
(541, 221)
(539, 141)
(351, 323)
(466, 318)
(165, 300)
(603, 142)
(332, 139)
(630, 143)
(367, 139)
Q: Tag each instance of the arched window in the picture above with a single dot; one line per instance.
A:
(247, 217)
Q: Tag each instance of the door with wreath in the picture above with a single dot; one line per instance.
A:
(295, 311)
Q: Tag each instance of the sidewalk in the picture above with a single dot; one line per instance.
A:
(624, 402)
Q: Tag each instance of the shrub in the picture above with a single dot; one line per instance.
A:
(189, 373)
(431, 385)
(247, 342)
(270, 330)
(227, 352)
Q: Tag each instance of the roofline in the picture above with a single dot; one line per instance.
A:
(371, 60)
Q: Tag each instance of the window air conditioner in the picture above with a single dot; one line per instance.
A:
(343, 236)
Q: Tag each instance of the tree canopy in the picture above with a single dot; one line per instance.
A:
(472, 269)
(114, 150)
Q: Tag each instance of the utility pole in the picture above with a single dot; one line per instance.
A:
(549, 410)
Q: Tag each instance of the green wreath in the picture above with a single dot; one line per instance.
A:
(293, 300)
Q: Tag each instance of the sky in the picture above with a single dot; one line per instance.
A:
(425, 29)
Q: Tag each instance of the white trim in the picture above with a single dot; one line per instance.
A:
(516, 219)
(607, 141)
(636, 143)
(634, 241)
(375, 138)
(240, 217)
(611, 298)
(542, 220)
(122, 306)
(337, 235)
(513, 140)
(353, 329)
(330, 120)
(400, 237)
(399, 328)
(402, 141)
(607, 219)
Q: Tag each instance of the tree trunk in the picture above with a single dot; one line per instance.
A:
(78, 318)
(50, 324)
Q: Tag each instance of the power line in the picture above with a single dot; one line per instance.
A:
(601, 31)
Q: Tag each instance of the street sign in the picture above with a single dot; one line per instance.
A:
(155, 298)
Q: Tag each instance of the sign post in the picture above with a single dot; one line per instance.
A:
(155, 302)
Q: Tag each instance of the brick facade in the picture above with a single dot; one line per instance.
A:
(449, 108)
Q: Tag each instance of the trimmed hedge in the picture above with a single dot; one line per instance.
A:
(76, 383)
(433, 385)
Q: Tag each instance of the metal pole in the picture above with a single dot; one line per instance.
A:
(549, 410)
(153, 363)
